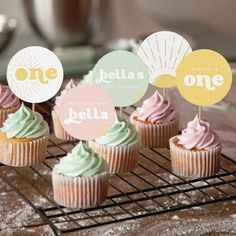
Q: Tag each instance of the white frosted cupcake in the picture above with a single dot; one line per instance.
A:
(155, 121)
(80, 180)
(59, 131)
(197, 151)
(119, 146)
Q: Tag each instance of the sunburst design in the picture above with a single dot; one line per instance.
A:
(23, 59)
(162, 52)
(31, 89)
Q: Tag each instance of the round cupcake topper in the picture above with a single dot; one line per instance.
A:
(86, 112)
(162, 52)
(35, 74)
(123, 75)
(204, 77)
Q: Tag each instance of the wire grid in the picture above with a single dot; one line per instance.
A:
(151, 189)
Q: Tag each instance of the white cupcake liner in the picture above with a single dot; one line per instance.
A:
(120, 159)
(21, 154)
(79, 192)
(59, 131)
(155, 135)
(202, 163)
(5, 112)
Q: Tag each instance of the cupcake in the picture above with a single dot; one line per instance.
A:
(80, 180)
(9, 103)
(155, 121)
(23, 138)
(59, 131)
(197, 151)
(119, 146)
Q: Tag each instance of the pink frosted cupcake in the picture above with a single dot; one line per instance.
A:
(9, 103)
(197, 151)
(59, 131)
(155, 121)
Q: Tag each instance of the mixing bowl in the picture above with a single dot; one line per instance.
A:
(65, 22)
(7, 29)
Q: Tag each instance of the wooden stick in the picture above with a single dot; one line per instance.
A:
(33, 106)
(199, 112)
(164, 92)
(120, 111)
(85, 142)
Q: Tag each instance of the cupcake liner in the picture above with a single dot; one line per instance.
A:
(79, 192)
(189, 163)
(120, 159)
(5, 112)
(25, 153)
(155, 135)
(59, 131)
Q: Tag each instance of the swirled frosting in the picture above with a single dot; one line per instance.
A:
(121, 133)
(155, 109)
(82, 161)
(7, 98)
(199, 135)
(71, 84)
(25, 124)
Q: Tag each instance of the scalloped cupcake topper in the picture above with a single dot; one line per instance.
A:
(204, 77)
(35, 74)
(123, 75)
(162, 52)
(86, 112)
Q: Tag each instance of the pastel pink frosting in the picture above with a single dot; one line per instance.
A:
(7, 98)
(199, 135)
(71, 84)
(156, 109)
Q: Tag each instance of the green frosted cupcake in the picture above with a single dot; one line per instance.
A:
(23, 138)
(80, 180)
(119, 146)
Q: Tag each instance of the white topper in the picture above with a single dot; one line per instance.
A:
(35, 74)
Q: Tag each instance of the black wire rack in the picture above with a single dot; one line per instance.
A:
(151, 189)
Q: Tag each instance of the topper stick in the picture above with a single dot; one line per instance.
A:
(199, 112)
(164, 92)
(120, 111)
(85, 142)
(33, 106)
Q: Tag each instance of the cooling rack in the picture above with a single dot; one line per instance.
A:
(151, 189)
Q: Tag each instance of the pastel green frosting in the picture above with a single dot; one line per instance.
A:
(122, 133)
(88, 78)
(25, 123)
(82, 161)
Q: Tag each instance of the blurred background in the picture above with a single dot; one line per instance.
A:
(81, 31)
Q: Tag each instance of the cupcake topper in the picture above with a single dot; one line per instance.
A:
(204, 77)
(34, 74)
(86, 112)
(123, 75)
(162, 52)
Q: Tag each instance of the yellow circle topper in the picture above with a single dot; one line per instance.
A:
(204, 77)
